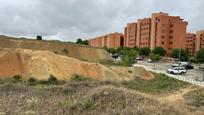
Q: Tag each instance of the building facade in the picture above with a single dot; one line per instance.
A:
(161, 30)
(191, 43)
(130, 34)
(143, 32)
(200, 40)
(168, 32)
(112, 40)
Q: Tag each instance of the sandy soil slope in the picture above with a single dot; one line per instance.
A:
(41, 64)
(81, 52)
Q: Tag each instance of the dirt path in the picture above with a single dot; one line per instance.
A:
(177, 97)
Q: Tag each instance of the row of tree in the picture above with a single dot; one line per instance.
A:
(129, 54)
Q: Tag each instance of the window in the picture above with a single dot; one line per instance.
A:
(171, 25)
(170, 42)
(170, 37)
(171, 31)
(162, 43)
(162, 37)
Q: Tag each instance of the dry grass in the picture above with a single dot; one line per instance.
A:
(195, 99)
(90, 97)
(78, 98)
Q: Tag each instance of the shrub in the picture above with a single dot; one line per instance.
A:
(65, 51)
(17, 79)
(80, 104)
(52, 80)
(83, 42)
(144, 51)
(183, 54)
(160, 51)
(32, 81)
(79, 78)
(200, 56)
(110, 62)
(39, 37)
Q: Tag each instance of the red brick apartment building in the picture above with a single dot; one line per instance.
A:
(131, 34)
(191, 43)
(112, 40)
(200, 40)
(161, 29)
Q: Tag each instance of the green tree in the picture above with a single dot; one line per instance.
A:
(80, 41)
(155, 58)
(111, 50)
(200, 56)
(144, 51)
(160, 51)
(129, 56)
(39, 37)
(183, 54)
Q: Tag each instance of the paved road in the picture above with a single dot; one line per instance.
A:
(161, 67)
(179, 77)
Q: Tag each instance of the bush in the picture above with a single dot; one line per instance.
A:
(83, 42)
(145, 51)
(200, 56)
(32, 81)
(65, 51)
(74, 104)
(110, 62)
(52, 80)
(39, 37)
(17, 79)
(79, 78)
(160, 51)
(183, 54)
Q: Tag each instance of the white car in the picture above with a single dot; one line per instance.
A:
(181, 64)
(177, 70)
(150, 61)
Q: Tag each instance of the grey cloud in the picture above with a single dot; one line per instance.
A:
(69, 19)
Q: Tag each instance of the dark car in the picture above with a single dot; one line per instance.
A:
(189, 67)
(115, 56)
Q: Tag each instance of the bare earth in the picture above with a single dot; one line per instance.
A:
(41, 64)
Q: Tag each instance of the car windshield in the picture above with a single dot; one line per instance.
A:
(178, 68)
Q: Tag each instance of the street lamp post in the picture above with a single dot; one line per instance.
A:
(179, 60)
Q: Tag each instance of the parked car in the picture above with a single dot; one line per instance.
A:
(150, 61)
(177, 70)
(140, 58)
(187, 65)
(115, 56)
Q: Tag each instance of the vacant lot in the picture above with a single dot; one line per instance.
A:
(87, 96)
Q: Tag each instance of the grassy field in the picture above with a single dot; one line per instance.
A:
(161, 84)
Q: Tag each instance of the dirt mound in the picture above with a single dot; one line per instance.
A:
(81, 52)
(42, 64)
(133, 72)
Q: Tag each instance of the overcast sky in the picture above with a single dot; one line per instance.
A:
(68, 20)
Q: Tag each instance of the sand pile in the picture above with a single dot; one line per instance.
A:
(42, 64)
